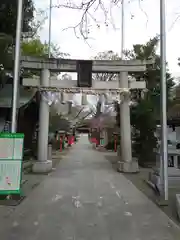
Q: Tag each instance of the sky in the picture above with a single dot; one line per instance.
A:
(142, 21)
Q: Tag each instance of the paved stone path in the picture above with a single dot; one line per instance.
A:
(85, 199)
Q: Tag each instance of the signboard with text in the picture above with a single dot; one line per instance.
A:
(11, 154)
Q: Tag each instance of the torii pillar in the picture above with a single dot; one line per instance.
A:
(43, 164)
(126, 162)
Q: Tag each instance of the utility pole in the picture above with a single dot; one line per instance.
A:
(125, 132)
(16, 66)
(164, 147)
(50, 23)
(122, 30)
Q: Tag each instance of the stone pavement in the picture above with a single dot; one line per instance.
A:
(86, 199)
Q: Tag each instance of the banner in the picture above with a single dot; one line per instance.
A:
(11, 154)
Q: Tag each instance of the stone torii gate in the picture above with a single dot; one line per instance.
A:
(85, 69)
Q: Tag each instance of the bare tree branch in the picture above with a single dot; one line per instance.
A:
(37, 24)
(142, 10)
(174, 22)
(88, 8)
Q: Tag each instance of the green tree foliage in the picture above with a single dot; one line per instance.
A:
(107, 55)
(152, 73)
(31, 46)
(144, 121)
(36, 48)
(8, 16)
(146, 112)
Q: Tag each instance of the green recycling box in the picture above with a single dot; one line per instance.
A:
(11, 155)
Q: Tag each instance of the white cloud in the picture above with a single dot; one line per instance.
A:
(137, 30)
